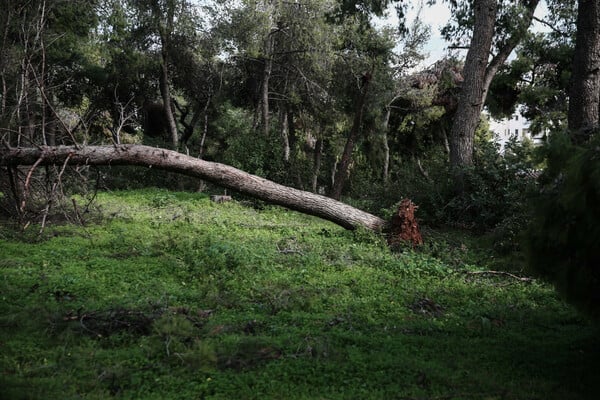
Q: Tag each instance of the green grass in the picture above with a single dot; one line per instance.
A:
(170, 296)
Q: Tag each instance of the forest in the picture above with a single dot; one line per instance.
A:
(289, 199)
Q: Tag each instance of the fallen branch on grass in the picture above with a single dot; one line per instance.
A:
(503, 273)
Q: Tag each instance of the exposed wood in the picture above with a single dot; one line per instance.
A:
(220, 174)
(404, 226)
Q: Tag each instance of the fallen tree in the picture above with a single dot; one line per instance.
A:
(220, 174)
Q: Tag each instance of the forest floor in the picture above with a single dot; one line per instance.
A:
(164, 295)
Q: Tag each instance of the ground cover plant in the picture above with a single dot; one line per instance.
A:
(164, 295)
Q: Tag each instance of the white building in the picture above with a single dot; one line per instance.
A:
(515, 127)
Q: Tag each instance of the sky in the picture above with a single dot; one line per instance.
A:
(436, 17)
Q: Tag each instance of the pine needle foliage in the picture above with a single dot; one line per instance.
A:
(563, 239)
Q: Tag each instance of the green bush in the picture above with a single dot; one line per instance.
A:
(496, 188)
(563, 241)
(245, 147)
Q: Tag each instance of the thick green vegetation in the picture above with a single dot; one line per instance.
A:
(170, 296)
(563, 235)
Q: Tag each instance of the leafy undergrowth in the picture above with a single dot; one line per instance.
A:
(170, 296)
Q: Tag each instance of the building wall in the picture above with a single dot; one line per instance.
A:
(515, 127)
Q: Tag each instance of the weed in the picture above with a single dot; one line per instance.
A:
(170, 296)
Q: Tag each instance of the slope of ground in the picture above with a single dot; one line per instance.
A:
(171, 296)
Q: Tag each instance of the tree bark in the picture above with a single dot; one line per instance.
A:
(386, 145)
(317, 165)
(220, 174)
(584, 96)
(509, 45)
(470, 102)
(165, 30)
(343, 166)
(166, 97)
(285, 139)
(478, 75)
(267, 68)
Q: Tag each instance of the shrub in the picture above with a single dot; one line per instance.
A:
(246, 148)
(564, 236)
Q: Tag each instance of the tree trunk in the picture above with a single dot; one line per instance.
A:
(220, 174)
(285, 139)
(386, 145)
(585, 85)
(188, 128)
(509, 45)
(343, 166)
(470, 102)
(478, 75)
(166, 97)
(267, 68)
(204, 131)
(317, 165)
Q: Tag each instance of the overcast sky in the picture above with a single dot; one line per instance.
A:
(437, 16)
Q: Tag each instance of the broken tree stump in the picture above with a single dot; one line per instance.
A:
(404, 227)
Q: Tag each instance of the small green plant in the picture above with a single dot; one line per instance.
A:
(191, 301)
(182, 343)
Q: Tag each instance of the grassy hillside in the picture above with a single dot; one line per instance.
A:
(169, 296)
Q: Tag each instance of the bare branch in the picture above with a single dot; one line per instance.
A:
(503, 273)
(548, 24)
(27, 182)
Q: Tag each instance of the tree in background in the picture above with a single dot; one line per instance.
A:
(494, 27)
(564, 235)
(369, 52)
(584, 96)
(166, 24)
(472, 94)
(44, 67)
(539, 77)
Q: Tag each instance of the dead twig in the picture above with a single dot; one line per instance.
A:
(27, 182)
(57, 181)
(94, 333)
(503, 273)
(288, 251)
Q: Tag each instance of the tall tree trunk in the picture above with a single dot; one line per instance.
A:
(165, 92)
(285, 139)
(204, 130)
(220, 174)
(470, 102)
(343, 166)
(386, 145)
(317, 165)
(165, 30)
(267, 68)
(473, 92)
(7, 17)
(478, 75)
(584, 107)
